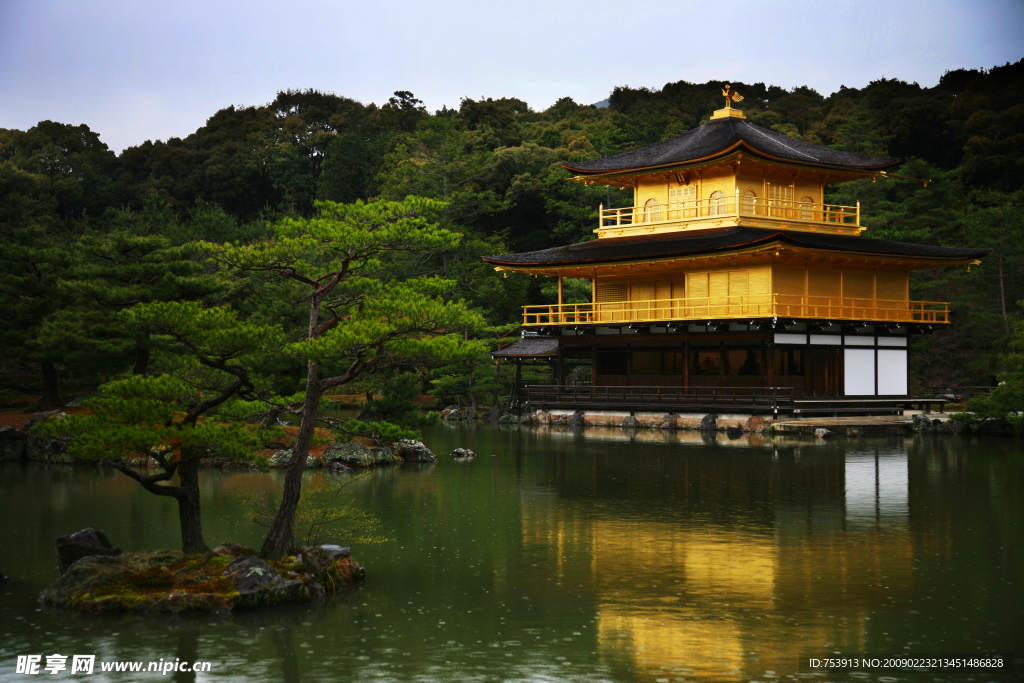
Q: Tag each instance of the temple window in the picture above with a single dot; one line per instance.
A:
(682, 201)
(779, 198)
(747, 205)
(652, 211)
(807, 209)
(716, 203)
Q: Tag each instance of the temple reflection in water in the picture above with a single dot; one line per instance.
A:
(716, 590)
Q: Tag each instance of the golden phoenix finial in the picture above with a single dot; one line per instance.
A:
(731, 96)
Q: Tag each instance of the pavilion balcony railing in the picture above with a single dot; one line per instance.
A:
(732, 307)
(726, 206)
(764, 398)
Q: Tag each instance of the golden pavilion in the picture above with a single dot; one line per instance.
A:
(730, 283)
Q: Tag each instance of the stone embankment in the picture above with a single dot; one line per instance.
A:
(338, 457)
(228, 578)
(686, 421)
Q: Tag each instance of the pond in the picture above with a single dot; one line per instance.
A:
(579, 556)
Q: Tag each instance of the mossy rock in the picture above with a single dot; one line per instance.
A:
(168, 581)
(94, 576)
(355, 454)
(281, 459)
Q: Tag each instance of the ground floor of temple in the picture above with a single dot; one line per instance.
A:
(755, 365)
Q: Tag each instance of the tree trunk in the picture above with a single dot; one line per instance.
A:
(188, 506)
(141, 360)
(51, 392)
(275, 545)
(1002, 286)
(495, 405)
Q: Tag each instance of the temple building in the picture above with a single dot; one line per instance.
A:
(730, 283)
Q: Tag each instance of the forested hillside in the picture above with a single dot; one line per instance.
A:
(87, 233)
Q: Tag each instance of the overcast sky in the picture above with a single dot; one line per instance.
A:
(138, 69)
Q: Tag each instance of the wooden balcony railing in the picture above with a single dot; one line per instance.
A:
(758, 399)
(727, 205)
(704, 308)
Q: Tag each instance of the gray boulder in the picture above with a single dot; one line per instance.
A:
(251, 574)
(709, 423)
(414, 451)
(281, 459)
(455, 413)
(316, 560)
(822, 433)
(577, 419)
(630, 423)
(355, 454)
(341, 468)
(44, 447)
(921, 423)
(85, 543)
(668, 422)
(463, 454)
(12, 443)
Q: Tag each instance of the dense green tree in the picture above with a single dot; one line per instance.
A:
(73, 165)
(167, 417)
(360, 320)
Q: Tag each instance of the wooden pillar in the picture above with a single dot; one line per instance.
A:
(560, 296)
(629, 365)
(560, 362)
(686, 361)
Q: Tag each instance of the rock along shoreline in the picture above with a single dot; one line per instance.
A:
(226, 579)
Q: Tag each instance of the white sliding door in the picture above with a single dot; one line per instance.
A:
(859, 372)
(892, 372)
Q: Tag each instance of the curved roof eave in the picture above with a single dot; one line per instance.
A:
(720, 137)
(673, 245)
(726, 152)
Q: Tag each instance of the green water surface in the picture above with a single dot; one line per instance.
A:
(579, 556)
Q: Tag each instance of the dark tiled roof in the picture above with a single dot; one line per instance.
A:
(612, 249)
(529, 346)
(715, 137)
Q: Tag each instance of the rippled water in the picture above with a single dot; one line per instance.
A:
(560, 556)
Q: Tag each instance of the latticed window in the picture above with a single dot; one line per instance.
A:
(605, 292)
(716, 204)
(780, 197)
(807, 209)
(652, 211)
(747, 205)
(682, 201)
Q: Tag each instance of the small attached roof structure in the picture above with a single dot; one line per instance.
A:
(665, 246)
(529, 348)
(722, 137)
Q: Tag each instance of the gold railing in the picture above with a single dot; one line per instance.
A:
(726, 205)
(703, 308)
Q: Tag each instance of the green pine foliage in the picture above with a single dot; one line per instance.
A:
(68, 206)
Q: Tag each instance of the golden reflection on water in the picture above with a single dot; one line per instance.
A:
(725, 601)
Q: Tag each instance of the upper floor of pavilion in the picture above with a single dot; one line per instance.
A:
(729, 172)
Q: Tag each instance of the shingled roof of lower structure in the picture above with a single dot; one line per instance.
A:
(528, 347)
(665, 245)
(722, 135)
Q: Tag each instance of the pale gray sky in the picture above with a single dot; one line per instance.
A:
(135, 70)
